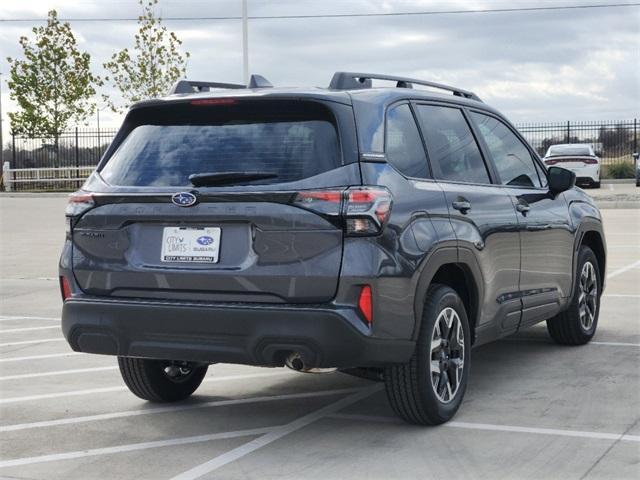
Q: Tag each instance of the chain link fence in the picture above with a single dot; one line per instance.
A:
(44, 163)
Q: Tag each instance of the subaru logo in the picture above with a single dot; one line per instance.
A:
(184, 199)
(204, 240)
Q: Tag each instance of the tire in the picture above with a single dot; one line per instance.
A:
(596, 184)
(148, 379)
(577, 324)
(410, 386)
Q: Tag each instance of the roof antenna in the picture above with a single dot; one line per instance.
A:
(258, 81)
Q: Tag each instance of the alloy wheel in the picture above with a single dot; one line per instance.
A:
(588, 296)
(447, 355)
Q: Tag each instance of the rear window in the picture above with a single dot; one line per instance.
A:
(292, 140)
(560, 150)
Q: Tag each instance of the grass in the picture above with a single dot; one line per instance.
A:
(619, 170)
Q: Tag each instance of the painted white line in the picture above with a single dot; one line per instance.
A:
(549, 342)
(619, 271)
(172, 409)
(622, 295)
(275, 434)
(132, 447)
(501, 428)
(5, 318)
(622, 246)
(617, 344)
(90, 391)
(29, 329)
(27, 342)
(56, 372)
(39, 357)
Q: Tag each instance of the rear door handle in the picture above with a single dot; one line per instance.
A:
(462, 205)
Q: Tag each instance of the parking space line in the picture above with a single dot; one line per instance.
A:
(133, 447)
(274, 434)
(91, 391)
(57, 372)
(499, 428)
(173, 409)
(27, 342)
(617, 344)
(624, 269)
(622, 295)
(39, 357)
(29, 329)
(6, 318)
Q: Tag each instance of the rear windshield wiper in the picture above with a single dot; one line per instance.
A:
(226, 178)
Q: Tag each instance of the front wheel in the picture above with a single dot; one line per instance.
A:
(428, 389)
(161, 380)
(577, 325)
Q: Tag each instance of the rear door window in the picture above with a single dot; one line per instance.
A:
(511, 157)
(291, 141)
(404, 147)
(453, 151)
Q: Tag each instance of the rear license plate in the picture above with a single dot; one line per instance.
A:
(191, 245)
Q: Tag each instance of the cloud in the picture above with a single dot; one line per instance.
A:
(534, 66)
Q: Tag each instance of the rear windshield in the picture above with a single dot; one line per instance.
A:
(562, 150)
(291, 140)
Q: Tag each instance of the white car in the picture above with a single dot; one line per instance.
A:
(577, 157)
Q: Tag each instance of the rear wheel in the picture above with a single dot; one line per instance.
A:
(577, 325)
(428, 389)
(161, 380)
(596, 184)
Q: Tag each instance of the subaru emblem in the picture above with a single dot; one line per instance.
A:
(184, 199)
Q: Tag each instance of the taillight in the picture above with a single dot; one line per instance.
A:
(590, 161)
(79, 202)
(550, 162)
(365, 304)
(65, 288)
(365, 210)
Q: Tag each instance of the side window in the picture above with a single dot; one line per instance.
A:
(511, 157)
(542, 174)
(453, 151)
(404, 147)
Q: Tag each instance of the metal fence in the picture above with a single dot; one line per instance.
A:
(614, 141)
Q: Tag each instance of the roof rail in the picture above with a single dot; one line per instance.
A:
(192, 86)
(354, 80)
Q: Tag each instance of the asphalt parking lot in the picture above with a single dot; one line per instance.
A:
(533, 409)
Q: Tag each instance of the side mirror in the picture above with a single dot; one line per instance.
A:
(560, 180)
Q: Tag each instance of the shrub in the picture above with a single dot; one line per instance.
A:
(619, 170)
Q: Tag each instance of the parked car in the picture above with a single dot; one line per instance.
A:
(384, 232)
(579, 158)
(636, 162)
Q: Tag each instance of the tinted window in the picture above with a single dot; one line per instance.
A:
(510, 156)
(404, 147)
(453, 151)
(291, 145)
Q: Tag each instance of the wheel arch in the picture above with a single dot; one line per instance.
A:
(590, 234)
(444, 267)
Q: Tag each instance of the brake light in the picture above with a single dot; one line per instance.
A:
(65, 288)
(79, 202)
(551, 162)
(365, 304)
(591, 161)
(214, 101)
(365, 210)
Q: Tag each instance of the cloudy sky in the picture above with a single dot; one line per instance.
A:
(533, 65)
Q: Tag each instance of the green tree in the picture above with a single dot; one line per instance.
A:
(152, 65)
(53, 84)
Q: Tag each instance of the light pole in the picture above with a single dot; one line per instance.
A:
(245, 43)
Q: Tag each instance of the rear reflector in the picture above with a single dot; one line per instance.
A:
(65, 288)
(365, 304)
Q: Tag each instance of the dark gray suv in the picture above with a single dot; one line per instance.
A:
(380, 231)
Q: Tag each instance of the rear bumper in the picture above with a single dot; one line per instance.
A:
(324, 335)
